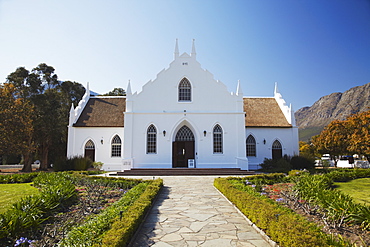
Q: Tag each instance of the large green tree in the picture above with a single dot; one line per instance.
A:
(51, 100)
(16, 129)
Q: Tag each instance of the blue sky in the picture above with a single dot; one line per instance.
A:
(311, 48)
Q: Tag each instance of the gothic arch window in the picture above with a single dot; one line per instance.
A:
(116, 146)
(184, 134)
(184, 90)
(151, 140)
(277, 150)
(251, 146)
(217, 139)
(90, 150)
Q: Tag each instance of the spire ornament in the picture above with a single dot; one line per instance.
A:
(176, 53)
(193, 52)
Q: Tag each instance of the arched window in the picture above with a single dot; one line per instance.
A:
(277, 150)
(251, 146)
(90, 150)
(184, 90)
(116, 146)
(151, 140)
(217, 139)
(184, 134)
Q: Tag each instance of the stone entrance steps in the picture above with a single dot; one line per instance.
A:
(184, 172)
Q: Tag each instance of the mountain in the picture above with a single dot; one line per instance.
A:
(336, 106)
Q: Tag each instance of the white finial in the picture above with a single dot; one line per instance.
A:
(87, 89)
(128, 92)
(193, 52)
(239, 90)
(176, 49)
(276, 90)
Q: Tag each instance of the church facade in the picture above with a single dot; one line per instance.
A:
(182, 118)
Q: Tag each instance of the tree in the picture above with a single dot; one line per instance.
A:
(16, 129)
(116, 92)
(359, 133)
(332, 140)
(306, 150)
(345, 137)
(51, 100)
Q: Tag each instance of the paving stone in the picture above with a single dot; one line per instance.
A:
(191, 212)
(217, 243)
(160, 244)
(196, 226)
(171, 237)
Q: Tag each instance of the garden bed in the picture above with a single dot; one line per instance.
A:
(88, 209)
(277, 204)
(280, 193)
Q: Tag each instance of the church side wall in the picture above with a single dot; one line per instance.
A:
(102, 138)
(288, 137)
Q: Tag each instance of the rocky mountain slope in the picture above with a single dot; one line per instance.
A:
(311, 120)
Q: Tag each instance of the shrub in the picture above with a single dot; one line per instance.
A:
(281, 224)
(27, 214)
(276, 165)
(77, 163)
(18, 178)
(122, 230)
(300, 162)
(129, 211)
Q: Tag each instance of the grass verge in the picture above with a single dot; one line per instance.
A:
(11, 193)
(358, 189)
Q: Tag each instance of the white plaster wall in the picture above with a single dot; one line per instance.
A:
(158, 104)
(102, 150)
(288, 138)
(198, 123)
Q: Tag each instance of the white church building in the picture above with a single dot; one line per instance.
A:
(183, 118)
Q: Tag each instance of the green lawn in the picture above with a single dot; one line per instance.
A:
(358, 189)
(10, 193)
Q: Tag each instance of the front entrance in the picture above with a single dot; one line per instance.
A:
(183, 148)
(182, 152)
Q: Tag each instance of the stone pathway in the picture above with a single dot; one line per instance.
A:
(191, 212)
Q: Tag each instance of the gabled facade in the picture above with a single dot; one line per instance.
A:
(183, 118)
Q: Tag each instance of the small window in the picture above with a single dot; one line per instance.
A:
(116, 146)
(151, 147)
(217, 139)
(184, 90)
(251, 146)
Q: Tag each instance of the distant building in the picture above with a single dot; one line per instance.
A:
(183, 118)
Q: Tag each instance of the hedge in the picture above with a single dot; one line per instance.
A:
(124, 228)
(116, 225)
(281, 224)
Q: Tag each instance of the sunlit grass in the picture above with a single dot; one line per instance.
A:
(10, 193)
(358, 189)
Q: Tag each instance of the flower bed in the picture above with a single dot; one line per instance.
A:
(301, 194)
(97, 200)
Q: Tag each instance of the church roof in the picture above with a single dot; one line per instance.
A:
(103, 112)
(109, 112)
(264, 112)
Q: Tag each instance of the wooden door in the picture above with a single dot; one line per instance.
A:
(182, 151)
